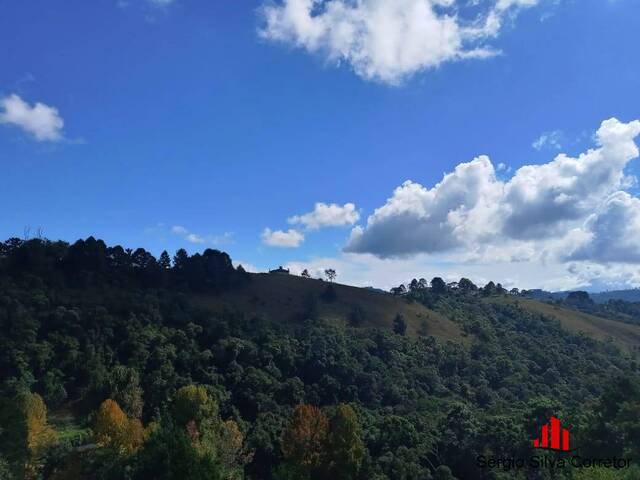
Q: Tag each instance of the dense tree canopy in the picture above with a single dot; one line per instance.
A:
(114, 339)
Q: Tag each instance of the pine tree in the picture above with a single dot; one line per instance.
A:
(165, 260)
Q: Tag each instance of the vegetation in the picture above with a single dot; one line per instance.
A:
(181, 369)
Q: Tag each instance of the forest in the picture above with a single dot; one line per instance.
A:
(110, 370)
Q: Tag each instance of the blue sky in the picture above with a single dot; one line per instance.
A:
(198, 123)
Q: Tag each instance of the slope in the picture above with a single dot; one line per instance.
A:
(593, 326)
(289, 298)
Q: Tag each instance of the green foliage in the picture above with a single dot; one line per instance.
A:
(170, 454)
(123, 385)
(81, 323)
(194, 403)
(345, 447)
(399, 325)
(13, 437)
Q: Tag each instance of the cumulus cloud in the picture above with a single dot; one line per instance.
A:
(472, 208)
(327, 215)
(389, 40)
(40, 120)
(612, 234)
(280, 238)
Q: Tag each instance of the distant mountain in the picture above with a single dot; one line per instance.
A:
(631, 295)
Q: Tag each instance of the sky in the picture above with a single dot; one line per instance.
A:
(387, 139)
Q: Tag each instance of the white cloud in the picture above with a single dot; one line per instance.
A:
(40, 120)
(179, 230)
(248, 267)
(284, 239)
(327, 215)
(191, 237)
(551, 140)
(389, 40)
(612, 234)
(368, 270)
(472, 209)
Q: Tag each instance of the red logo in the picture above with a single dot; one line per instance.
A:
(555, 432)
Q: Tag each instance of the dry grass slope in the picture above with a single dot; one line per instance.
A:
(595, 327)
(285, 298)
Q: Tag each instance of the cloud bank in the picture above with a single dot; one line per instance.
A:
(389, 40)
(569, 209)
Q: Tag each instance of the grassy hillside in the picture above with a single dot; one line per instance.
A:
(595, 327)
(286, 297)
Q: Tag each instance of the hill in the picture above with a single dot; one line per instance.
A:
(596, 327)
(289, 298)
(186, 367)
(629, 295)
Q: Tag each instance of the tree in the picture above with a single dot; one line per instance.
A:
(489, 289)
(180, 259)
(424, 328)
(170, 454)
(193, 402)
(305, 273)
(113, 429)
(466, 286)
(443, 473)
(399, 290)
(39, 433)
(438, 286)
(13, 436)
(111, 422)
(356, 316)
(230, 447)
(164, 261)
(330, 274)
(579, 299)
(124, 389)
(345, 447)
(399, 325)
(304, 438)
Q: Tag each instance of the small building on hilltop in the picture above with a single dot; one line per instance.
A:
(280, 270)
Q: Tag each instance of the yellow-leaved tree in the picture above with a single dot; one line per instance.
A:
(304, 439)
(115, 430)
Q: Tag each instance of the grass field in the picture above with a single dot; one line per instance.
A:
(596, 327)
(285, 298)
(67, 428)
